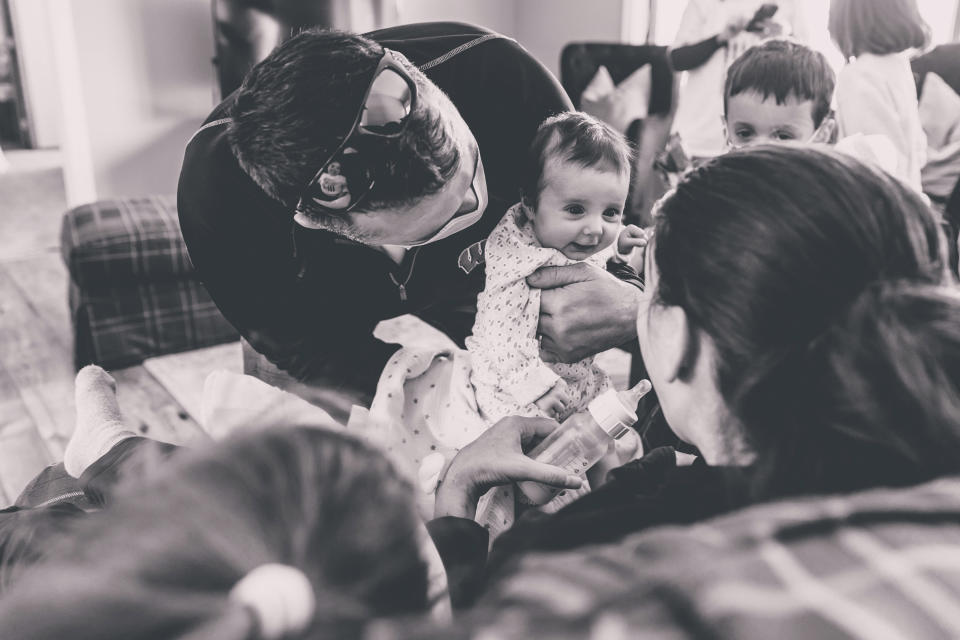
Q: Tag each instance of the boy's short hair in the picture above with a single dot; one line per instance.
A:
(877, 26)
(783, 68)
(294, 108)
(578, 138)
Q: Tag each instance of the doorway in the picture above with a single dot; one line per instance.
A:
(14, 123)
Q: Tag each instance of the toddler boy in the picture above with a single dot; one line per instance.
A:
(779, 91)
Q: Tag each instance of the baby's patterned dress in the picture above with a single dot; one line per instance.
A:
(508, 373)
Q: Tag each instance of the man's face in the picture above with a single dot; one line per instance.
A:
(752, 120)
(413, 223)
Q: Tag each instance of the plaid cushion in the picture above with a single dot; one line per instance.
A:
(122, 326)
(127, 240)
(879, 564)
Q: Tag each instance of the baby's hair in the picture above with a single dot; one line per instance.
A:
(578, 138)
(161, 560)
(877, 26)
(783, 68)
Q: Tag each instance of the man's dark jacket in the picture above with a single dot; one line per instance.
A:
(313, 313)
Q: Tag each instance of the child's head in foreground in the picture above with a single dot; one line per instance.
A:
(576, 183)
(191, 547)
(777, 91)
(880, 27)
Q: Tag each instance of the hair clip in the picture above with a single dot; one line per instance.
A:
(280, 597)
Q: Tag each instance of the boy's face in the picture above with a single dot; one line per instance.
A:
(751, 119)
(579, 208)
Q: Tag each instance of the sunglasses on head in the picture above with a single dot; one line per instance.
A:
(346, 178)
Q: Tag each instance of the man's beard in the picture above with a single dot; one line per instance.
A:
(339, 226)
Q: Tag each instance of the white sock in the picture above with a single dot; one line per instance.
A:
(99, 425)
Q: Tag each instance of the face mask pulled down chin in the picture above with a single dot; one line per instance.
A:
(455, 224)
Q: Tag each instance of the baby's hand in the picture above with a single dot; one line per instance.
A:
(553, 402)
(633, 237)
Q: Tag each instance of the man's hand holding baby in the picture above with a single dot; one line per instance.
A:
(583, 310)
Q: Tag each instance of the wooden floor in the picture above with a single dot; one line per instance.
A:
(36, 370)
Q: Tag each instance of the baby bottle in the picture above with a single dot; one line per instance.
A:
(583, 438)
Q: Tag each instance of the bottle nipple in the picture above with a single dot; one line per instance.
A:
(616, 411)
(631, 397)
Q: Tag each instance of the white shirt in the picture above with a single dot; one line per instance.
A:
(876, 95)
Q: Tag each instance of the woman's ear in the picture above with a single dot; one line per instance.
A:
(676, 343)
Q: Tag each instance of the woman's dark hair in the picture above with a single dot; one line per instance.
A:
(877, 26)
(160, 561)
(578, 138)
(773, 253)
(296, 106)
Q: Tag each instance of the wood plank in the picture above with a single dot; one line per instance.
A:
(22, 452)
(39, 363)
(43, 280)
(148, 408)
(32, 203)
(183, 374)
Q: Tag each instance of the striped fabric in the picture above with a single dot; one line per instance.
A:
(883, 564)
(133, 291)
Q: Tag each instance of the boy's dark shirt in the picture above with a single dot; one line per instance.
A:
(644, 493)
(319, 325)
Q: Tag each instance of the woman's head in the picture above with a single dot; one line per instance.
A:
(877, 26)
(162, 559)
(758, 255)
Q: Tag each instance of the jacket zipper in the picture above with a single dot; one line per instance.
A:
(402, 286)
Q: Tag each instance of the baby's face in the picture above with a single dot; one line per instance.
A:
(580, 208)
(751, 119)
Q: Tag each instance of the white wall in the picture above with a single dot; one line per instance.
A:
(136, 81)
(499, 15)
(544, 27)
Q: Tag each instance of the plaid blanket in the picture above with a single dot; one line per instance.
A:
(133, 291)
(879, 564)
(121, 241)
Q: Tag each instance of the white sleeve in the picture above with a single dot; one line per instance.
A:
(692, 25)
(862, 107)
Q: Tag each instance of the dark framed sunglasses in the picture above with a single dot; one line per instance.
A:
(346, 177)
